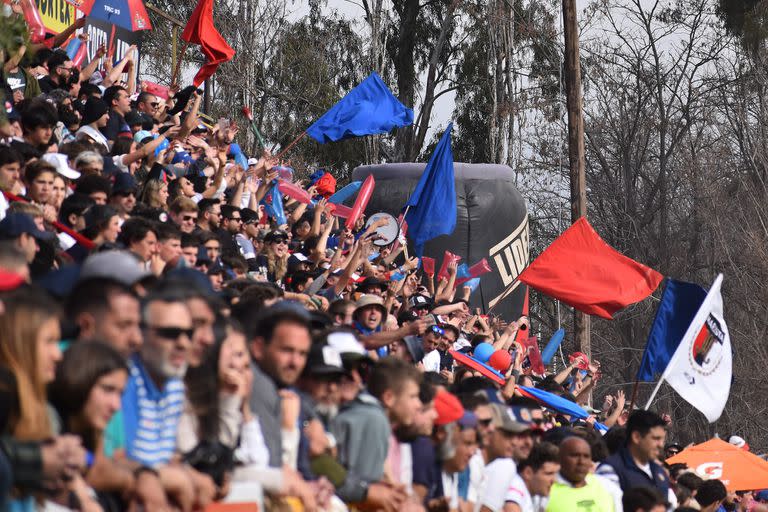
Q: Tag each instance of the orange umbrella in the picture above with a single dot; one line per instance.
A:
(739, 470)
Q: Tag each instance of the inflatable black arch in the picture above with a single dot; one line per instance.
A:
(492, 223)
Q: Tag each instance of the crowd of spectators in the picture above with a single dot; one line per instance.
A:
(165, 344)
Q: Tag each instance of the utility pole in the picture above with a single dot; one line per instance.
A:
(575, 146)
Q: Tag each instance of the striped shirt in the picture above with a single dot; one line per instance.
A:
(150, 416)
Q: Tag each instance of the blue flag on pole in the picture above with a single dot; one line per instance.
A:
(273, 204)
(678, 306)
(433, 202)
(368, 109)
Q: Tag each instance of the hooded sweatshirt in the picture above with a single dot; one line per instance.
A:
(362, 433)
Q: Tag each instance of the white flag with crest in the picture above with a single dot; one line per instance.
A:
(700, 370)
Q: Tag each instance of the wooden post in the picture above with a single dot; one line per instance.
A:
(575, 146)
(174, 46)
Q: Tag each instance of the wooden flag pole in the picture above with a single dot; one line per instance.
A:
(634, 396)
(179, 60)
(289, 146)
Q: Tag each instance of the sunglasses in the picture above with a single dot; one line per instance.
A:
(236, 219)
(172, 333)
(187, 218)
(437, 330)
(279, 242)
(486, 422)
(155, 104)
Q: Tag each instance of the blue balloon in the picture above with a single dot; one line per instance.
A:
(73, 47)
(552, 345)
(342, 195)
(473, 283)
(556, 402)
(483, 352)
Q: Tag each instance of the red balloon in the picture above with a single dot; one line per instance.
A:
(429, 265)
(80, 55)
(361, 202)
(479, 268)
(339, 210)
(34, 21)
(447, 258)
(294, 192)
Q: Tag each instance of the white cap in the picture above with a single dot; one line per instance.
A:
(346, 343)
(59, 161)
(252, 161)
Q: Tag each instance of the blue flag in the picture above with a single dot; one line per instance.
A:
(273, 204)
(433, 202)
(678, 306)
(368, 109)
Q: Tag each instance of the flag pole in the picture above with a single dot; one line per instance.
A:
(634, 395)
(653, 395)
(179, 59)
(289, 146)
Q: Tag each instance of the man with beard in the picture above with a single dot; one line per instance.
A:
(363, 428)
(441, 457)
(209, 215)
(153, 400)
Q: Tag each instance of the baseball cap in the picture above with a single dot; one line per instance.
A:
(419, 302)
(502, 418)
(739, 442)
(252, 161)
(119, 266)
(277, 234)
(16, 223)
(249, 216)
(59, 161)
(123, 182)
(414, 347)
(323, 359)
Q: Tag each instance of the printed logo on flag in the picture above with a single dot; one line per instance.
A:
(706, 352)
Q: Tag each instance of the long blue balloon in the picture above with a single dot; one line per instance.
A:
(551, 348)
(342, 195)
(556, 402)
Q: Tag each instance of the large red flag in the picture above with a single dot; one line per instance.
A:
(580, 269)
(200, 30)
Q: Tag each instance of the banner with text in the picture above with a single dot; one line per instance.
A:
(56, 14)
(116, 39)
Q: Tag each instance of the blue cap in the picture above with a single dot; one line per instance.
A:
(16, 223)
(124, 182)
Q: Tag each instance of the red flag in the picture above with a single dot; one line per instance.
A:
(200, 30)
(580, 269)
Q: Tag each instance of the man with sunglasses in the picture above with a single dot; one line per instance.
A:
(431, 342)
(147, 103)
(231, 223)
(153, 400)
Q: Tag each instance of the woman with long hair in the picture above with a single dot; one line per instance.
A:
(218, 420)
(29, 353)
(275, 256)
(155, 194)
(86, 393)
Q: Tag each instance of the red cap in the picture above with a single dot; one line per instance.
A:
(500, 361)
(448, 408)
